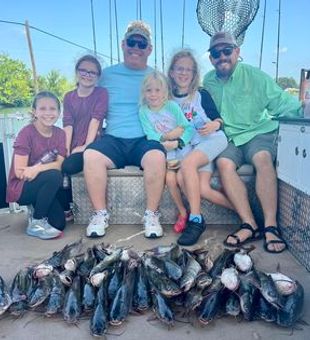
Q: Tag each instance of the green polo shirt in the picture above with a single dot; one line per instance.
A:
(248, 100)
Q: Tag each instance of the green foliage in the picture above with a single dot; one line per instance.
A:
(55, 83)
(15, 82)
(285, 82)
(17, 87)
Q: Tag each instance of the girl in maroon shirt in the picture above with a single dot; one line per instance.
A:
(35, 174)
(83, 114)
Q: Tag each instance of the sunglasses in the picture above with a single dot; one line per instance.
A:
(85, 73)
(142, 44)
(227, 51)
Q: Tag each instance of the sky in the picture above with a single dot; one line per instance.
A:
(72, 20)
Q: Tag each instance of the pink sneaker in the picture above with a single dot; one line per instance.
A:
(180, 223)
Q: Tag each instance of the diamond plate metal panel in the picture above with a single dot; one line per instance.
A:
(126, 200)
(294, 219)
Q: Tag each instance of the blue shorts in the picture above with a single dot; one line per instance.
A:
(125, 151)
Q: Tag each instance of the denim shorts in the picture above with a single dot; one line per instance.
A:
(244, 153)
(125, 151)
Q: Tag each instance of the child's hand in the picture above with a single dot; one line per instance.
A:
(170, 144)
(209, 127)
(30, 172)
(175, 133)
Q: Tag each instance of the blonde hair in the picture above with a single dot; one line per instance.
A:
(161, 79)
(184, 53)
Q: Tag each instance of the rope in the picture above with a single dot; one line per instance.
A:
(162, 37)
(93, 25)
(111, 40)
(155, 35)
(116, 28)
(183, 24)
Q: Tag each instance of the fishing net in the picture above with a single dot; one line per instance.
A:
(232, 16)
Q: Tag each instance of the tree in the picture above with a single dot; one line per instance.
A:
(285, 82)
(55, 83)
(15, 82)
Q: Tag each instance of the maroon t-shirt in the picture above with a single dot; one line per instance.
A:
(78, 112)
(30, 142)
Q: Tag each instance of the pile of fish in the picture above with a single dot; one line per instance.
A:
(107, 283)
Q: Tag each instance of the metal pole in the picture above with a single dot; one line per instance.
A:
(34, 72)
(278, 44)
(93, 26)
(263, 35)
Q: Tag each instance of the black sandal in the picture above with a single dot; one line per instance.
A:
(276, 232)
(256, 235)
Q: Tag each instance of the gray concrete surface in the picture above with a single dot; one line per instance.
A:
(18, 250)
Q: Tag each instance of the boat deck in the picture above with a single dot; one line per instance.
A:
(18, 250)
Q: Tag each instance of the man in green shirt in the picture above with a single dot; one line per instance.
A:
(247, 99)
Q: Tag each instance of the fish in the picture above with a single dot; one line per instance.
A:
(122, 302)
(87, 264)
(190, 273)
(5, 298)
(243, 261)
(162, 283)
(103, 265)
(41, 292)
(265, 311)
(230, 278)
(224, 260)
(72, 307)
(202, 255)
(99, 319)
(66, 277)
(248, 295)
(209, 307)
(116, 279)
(88, 296)
(162, 309)
(42, 270)
(232, 305)
(284, 284)
(56, 297)
(292, 307)
(268, 289)
(141, 295)
(68, 251)
(203, 280)
(193, 299)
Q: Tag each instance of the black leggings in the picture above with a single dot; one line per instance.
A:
(42, 194)
(70, 166)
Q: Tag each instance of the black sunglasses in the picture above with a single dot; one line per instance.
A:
(142, 44)
(227, 51)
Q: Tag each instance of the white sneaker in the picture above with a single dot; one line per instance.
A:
(42, 229)
(99, 221)
(152, 227)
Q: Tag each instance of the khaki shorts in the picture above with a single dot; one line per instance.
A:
(244, 153)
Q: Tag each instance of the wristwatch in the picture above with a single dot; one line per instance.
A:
(180, 143)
